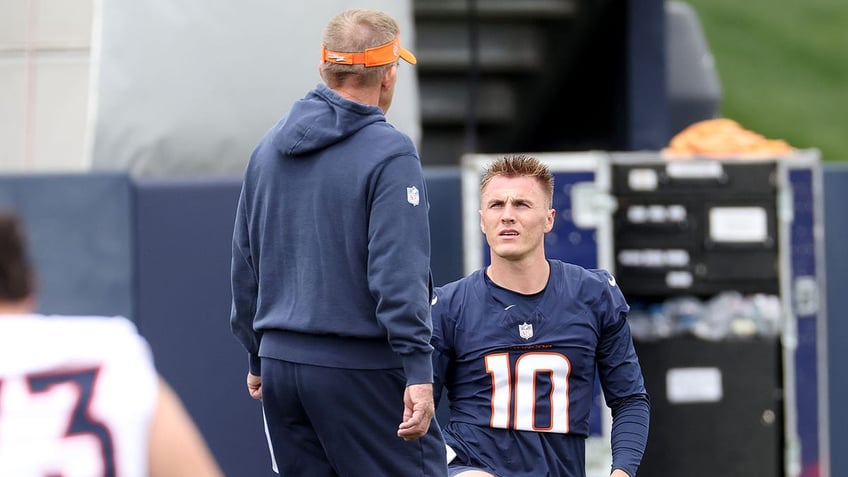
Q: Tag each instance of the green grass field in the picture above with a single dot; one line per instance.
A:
(783, 67)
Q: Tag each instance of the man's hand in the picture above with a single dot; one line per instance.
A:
(418, 410)
(619, 473)
(254, 386)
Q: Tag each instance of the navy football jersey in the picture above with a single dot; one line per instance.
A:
(519, 370)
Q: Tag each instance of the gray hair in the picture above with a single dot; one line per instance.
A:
(352, 31)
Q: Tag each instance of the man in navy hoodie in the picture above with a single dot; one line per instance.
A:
(330, 272)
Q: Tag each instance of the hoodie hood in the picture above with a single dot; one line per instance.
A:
(321, 119)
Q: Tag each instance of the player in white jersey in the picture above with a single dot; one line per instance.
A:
(79, 396)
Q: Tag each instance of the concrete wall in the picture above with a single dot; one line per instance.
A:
(162, 88)
(45, 71)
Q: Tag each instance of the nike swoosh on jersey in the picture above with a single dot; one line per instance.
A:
(611, 281)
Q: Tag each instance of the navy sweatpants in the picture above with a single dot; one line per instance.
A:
(334, 422)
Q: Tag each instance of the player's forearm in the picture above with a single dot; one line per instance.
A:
(630, 419)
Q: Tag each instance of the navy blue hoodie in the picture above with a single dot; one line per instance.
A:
(331, 244)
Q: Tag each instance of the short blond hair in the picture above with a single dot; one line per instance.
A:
(519, 165)
(356, 30)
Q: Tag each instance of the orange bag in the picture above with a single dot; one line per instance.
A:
(723, 137)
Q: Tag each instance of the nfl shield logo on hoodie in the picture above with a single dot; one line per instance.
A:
(525, 330)
(412, 195)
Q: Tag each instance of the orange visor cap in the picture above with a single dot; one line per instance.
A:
(377, 56)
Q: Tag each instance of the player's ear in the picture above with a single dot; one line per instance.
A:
(389, 77)
(482, 228)
(549, 220)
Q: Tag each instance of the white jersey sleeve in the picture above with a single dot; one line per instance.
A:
(77, 396)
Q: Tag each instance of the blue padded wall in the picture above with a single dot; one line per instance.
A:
(836, 268)
(183, 234)
(444, 191)
(81, 239)
(184, 230)
(159, 252)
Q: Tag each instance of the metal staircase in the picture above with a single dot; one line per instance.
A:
(490, 70)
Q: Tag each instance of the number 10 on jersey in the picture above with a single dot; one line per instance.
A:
(516, 402)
